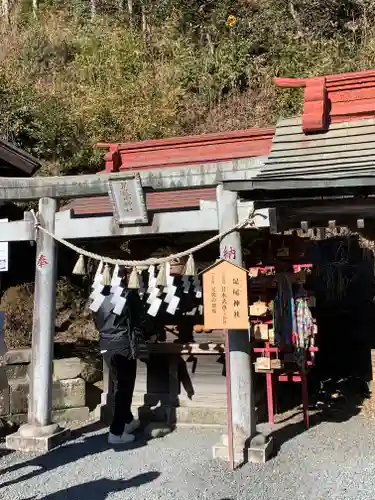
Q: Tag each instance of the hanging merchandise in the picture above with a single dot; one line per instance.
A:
(283, 312)
(304, 330)
(304, 323)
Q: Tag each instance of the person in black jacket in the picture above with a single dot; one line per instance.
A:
(119, 339)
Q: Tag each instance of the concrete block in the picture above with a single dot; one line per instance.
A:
(18, 396)
(183, 415)
(221, 452)
(259, 451)
(40, 444)
(200, 415)
(68, 368)
(58, 416)
(18, 419)
(69, 393)
(65, 394)
(16, 371)
(67, 415)
(4, 403)
(18, 357)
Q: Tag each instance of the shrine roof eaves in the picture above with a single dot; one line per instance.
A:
(15, 160)
(187, 150)
(341, 158)
(334, 98)
(182, 153)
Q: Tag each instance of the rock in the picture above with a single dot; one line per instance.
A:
(258, 440)
(17, 356)
(7, 427)
(68, 368)
(92, 372)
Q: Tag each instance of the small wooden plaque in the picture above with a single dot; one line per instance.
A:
(263, 363)
(225, 298)
(260, 331)
(259, 308)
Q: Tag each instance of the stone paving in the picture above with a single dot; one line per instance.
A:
(329, 461)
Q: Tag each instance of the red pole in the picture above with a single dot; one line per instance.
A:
(229, 402)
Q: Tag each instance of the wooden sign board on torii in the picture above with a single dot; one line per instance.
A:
(225, 297)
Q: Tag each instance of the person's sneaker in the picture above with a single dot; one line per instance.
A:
(124, 439)
(133, 426)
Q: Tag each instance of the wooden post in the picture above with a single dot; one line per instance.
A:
(241, 384)
(40, 434)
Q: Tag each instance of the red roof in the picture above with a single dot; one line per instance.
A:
(327, 99)
(334, 98)
(171, 152)
(188, 150)
(154, 201)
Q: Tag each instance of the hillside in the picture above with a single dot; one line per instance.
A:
(85, 71)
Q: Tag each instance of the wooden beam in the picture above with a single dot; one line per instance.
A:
(162, 179)
(331, 202)
(68, 226)
(359, 181)
(333, 213)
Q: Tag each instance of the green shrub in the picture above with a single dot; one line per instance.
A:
(68, 81)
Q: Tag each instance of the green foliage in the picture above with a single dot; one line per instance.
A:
(69, 78)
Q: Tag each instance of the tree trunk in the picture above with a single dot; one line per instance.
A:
(295, 16)
(130, 12)
(5, 10)
(93, 9)
(35, 7)
(144, 20)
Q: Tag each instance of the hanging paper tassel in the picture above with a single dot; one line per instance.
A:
(190, 267)
(161, 279)
(133, 283)
(106, 278)
(98, 274)
(80, 267)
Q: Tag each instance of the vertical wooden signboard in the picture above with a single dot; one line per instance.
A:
(225, 300)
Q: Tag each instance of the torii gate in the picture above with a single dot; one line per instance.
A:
(40, 433)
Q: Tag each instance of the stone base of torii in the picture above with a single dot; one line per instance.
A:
(40, 433)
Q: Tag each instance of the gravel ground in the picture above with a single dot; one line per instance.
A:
(329, 461)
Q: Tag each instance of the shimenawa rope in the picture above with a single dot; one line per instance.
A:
(249, 221)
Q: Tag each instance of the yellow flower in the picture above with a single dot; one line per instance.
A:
(231, 21)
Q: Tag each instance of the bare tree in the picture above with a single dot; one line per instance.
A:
(144, 19)
(296, 18)
(93, 9)
(5, 10)
(130, 11)
(35, 7)
(120, 6)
